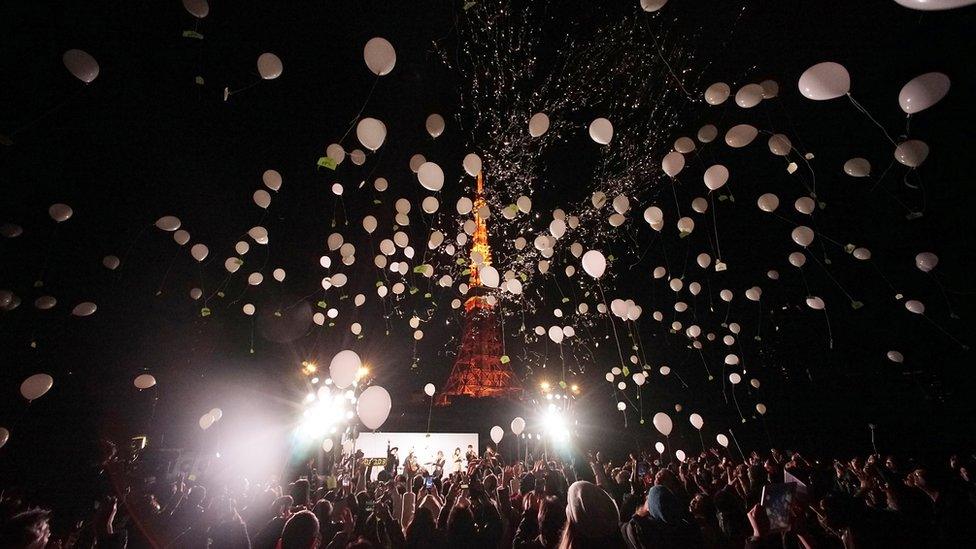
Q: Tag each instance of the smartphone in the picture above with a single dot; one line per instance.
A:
(464, 486)
(776, 499)
(345, 482)
(641, 469)
(428, 482)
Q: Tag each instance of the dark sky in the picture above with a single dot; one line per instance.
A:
(144, 140)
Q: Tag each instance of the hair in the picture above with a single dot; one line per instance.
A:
(300, 492)
(460, 526)
(421, 528)
(197, 495)
(552, 518)
(301, 531)
(24, 529)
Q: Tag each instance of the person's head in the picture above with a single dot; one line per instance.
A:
(196, 496)
(440, 454)
(301, 531)
(422, 525)
(394, 450)
(323, 510)
(470, 447)
(591, 516)
(28, 529)
(282, 505)
(300, 492)
(526, 483)
(552, 518)
(664, 506)
(460, 526)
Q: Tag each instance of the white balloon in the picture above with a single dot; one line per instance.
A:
(741, 135)
(496, 434)
(673, 163)
(168, 223)
(206, 420)
(652, 5)
(518, 425)
(197, 8)
(923, 91)
(344, 368)
(435, 125)
(749, 96)
(805, 205)
(4, 436)
(269, 66)
(915, 306)
(926, 261)
(770, 89)
(36, 386)
(556, 334)
(717, 93)
(654, 217)
(60, 212)
(761, 408)
(686, 225)
(431, 176)
(86, 308)
(538, 124)
(662, 422)
(271, 180)
(696, 421)
(723, 440)
(857, 167)
(181, 237)
(823, 81)
(707, 133)
(81, 65)
(45, 302)
(768, 202)
(816, 303)
(380, 56)
(429, 389)
(802, 235)
(371, 133)
(111, 262)
(716, 176)
(684, 145)
(896, 357)
(489, 276)
(912, 152)
(472, 164)
(262, 198)
(199, 252)
(780, 145)
(594, 263)
(601, 131)
(369, 224)
(373, 406)
(327, 445)
(932, 5)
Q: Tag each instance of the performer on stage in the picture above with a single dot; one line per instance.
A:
(471, 455)
(439, 465)
(392, 459)
(457, 460)
(410, 466)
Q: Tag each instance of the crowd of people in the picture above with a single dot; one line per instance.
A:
(712, 500)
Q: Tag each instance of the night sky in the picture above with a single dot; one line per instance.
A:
(144, 140)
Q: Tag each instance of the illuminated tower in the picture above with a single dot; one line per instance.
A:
(478, 371)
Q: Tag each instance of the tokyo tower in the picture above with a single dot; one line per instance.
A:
(478, 371)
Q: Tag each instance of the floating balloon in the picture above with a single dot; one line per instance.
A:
(472, 164)
(933, 5)
(206, 420)
(696, 421)
(431, 176)
(197, 8)
(36, 386)
(673, 163)
(373, 406)
(780, 145)
(429, 389)
(556, 334)
(60, 212)
(371, 133)
(4, 436)
(344, 368)
(271, 180)
(86, 308)
(707, 133)
(538, 124)
(923, 91)
(915, 306)
(926, 261)
(144, 381)
(45, 302)
(770, 89)
(896, 357)
(518, 425)
(741, 135)
(654, 217)
(199, 252)
(168, 223)
(10, 230)
(857, 167)
(652, 5)
(662, 422)
(435, 125)
(262, 198)
(594, 263)
(684, 145)
(912, 152)
(717, 93)
(380, 56)
(489, 276)
(327, 445)
(802, 235)
(81, 65)
(805, 205)
(496, 434)
(761, 408)
(269, 66)
(111, 262)
(716, 176)
(749, 96)
(723, 440)
(601, 131)
(823, 81)
(816, 303)
(768, 202)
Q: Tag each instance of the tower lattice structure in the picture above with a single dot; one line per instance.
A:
(478, 371)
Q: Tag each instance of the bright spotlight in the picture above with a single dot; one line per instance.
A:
(320, 417)
(555, 425)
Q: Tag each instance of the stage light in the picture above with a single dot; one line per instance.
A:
(310, 397)
(315, 380)
(309, 368)
(322, 416)
(544, 386)
(575, 388)
(555, 425)
(362, 372)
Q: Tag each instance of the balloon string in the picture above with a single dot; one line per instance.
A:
(830, 333)
(718, 248)
(705, 363)
(945, 296)
(169, 267)
(736, 401)
(861, 108)
(612, 324)
(674, 192)
(352, 123)
(49, 112)
(947, 334)
(831, 277)
(737, 445)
